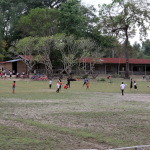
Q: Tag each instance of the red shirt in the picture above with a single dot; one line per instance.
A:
(14, 85)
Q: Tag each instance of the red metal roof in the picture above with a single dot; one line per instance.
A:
(2, 62)
(114, 60)
(26, 57)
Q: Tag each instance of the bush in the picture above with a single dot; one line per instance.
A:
(85, 76)
(102, 79)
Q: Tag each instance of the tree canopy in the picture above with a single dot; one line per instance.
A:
(107, 34)
(39, 22)
(72, 19)
(146, 47)
(122, 18)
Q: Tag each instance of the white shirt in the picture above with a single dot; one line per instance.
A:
(50, 82)
(122, 86)
(58, 85)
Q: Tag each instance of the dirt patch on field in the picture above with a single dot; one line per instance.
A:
(72, 142)
(136, 97)
(110, 114)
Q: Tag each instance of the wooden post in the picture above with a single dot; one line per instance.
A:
(132, 69)
(105, 68)
(90, 68)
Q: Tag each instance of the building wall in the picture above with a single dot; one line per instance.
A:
(106, 68)
(100, 68)
(1, 66)
(7, 67)
(134, 69)
(21, 67)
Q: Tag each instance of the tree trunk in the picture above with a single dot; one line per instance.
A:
(49, 69)
(126, 55)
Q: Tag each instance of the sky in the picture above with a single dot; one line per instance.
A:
(95, 4)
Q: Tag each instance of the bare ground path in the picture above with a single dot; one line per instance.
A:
(104, 113)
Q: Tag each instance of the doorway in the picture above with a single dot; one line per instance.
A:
(14, 67)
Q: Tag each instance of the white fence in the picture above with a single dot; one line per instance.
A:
(142, 147)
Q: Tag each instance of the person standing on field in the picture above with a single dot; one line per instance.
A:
(60, 84)
(58, 87)
(131, 84)
(84, 81)
(135, 86)
(68, 82)
(50, 83)
(122, 87)
(13, 87)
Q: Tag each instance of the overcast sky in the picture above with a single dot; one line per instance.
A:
(96, 2)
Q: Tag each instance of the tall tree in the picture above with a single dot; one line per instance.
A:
(122, 17)
(44, 47)
(69, 48)
(89, 49)
(137, 46)
(39, 22)
(146, 47)
(72, 19)
(26, 47)
(11, 10)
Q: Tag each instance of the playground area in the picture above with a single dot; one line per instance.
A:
(38, 118)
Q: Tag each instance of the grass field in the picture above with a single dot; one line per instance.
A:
(38, 118)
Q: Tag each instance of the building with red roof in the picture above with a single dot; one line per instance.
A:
(101, 65)
(15, 65)
(117, 65)
(19, 65)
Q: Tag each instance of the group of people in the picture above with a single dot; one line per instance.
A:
(85, 82)
(59, 85)
(3, 73)
(67, 85)
(132, 85)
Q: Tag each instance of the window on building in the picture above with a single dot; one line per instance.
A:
(135, 68)
(147, 68)
(108, 68)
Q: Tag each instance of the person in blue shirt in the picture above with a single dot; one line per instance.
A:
(84, 81)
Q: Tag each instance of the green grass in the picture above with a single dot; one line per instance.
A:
(13, 138)
(80, 133)
(39, 89)
(36, 117)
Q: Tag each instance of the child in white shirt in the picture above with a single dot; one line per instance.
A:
(122, 87)
(50, 84)
(58, 87)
